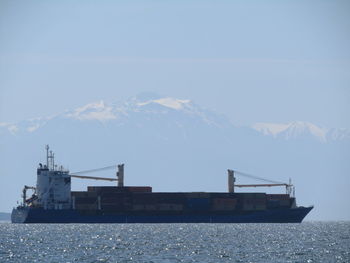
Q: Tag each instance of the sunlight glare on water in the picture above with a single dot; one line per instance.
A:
(306, 242)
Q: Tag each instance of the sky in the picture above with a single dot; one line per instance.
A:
(254, 61)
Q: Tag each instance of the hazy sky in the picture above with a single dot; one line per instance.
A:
(255, 61)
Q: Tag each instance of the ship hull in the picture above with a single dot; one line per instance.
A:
(38, 215)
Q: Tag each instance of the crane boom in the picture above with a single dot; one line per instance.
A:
(119, 179)
(93, 177)
(96, 170)
(261, 185)
(75, 175)
(257, 177)
(269, 183)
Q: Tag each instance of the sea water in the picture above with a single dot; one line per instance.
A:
(305, 242)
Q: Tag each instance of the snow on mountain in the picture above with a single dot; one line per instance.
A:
(172, 111)
(300, 129)
(93, 111)
(270, 128)
(172, 103)
(154, 101)
(29, 125)
(138, 108)
(12, 128)
(338, 134)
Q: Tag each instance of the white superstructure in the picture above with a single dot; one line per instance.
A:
(53, 187)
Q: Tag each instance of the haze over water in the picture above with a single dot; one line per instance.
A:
(278, 72)
(306, 242)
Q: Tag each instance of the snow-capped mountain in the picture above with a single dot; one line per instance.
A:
(136, 108)
(181, 112)
(26, 126)
(93, 111)
(299, 129)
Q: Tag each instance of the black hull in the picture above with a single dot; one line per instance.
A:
(39, 215)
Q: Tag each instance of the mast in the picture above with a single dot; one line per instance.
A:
(231, 181)
(47, 155)
(50, 158)
(53, 161)
(120, 175)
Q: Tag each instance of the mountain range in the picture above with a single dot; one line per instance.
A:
(119, 113)
(148, 105)
(176, 145)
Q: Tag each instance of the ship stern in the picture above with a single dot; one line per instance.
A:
(19, 215)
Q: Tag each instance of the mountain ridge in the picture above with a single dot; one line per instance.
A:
(151, 104)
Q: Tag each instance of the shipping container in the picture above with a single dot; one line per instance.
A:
(112, 201)
(248, 207)
(246, 195)
(83, 194)
(273, 204)
(260, 207)
(143, 198)
(139, 189)
(285, 203)
(144, 207)
(149, 207)
(260, 195)
(278, 197)
(112, 207)
(169, 207)
(254, 204)
(85, 200)
(198, 195)
(224, 204)
(116, 189)
(198, 203)
(105, 189)
(138, 207)
(86, 206)
(176, 198)
(115, 195)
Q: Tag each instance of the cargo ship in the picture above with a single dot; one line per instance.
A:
(53, 201)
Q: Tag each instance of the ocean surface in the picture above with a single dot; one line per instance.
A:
(306, 242)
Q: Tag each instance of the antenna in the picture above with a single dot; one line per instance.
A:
(289, 187)
(50, 158)
(53, 161)
(47, 155)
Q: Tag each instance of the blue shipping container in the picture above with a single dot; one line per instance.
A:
(198, 203)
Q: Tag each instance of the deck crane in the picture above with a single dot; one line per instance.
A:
(119, 174)
(24, 193)
(270, 183)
